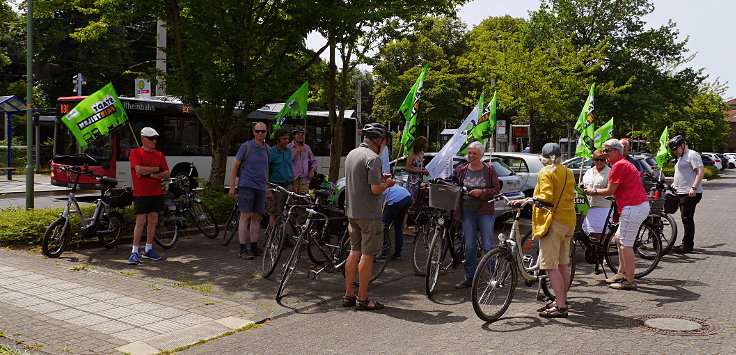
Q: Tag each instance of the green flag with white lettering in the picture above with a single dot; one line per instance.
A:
(409, 109)
(486, 122)
(603, 133)
(96, 116)
(296, 105)
(663, 154)
(584, 125)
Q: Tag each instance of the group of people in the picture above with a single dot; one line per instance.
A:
(374, 203)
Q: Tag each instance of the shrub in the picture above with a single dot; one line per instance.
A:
(711, 171)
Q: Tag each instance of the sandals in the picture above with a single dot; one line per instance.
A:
(365, 305)
(548, 306)
(348, 301)
(554, 312)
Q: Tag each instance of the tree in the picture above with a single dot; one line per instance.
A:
(12, 52)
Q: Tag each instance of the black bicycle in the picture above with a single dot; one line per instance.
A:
(664, 222)
(105, 224)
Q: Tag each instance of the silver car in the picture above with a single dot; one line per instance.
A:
(526, 166)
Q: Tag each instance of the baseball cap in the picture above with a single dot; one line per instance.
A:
(148, 132)
(550, 149)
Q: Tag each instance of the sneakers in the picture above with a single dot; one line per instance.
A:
(245, 254)
(133, 260)
(256, 251)
(616, 278)
(151, 255)
(682, 249)
(624, 285)
(465, 283)
(396, 257)
(381, 258)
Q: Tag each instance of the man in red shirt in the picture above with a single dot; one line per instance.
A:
(148, 167)
(633, 205)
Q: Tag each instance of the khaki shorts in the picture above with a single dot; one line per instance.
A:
(276, 206)
(555, 246)
(301, 189)
(366, 235)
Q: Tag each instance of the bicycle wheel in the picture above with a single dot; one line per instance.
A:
(420, 248)
(666, 224)
(378, 266)
(54, 240)
(204, 219)
(647, 250)
(110, 228)
(273, 246)
(290, 266)
(167, 229)
(437, 250)
(530, 249)
(231, 227)
(494, 283)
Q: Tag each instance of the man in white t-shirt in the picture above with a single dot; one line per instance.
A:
(689, 172)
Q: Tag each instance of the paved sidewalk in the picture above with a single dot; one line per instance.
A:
(41, 184)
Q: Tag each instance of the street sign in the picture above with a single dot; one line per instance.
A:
(142, 88)
(501, 127)
(520, 131)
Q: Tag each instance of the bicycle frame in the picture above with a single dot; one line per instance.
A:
(72, 207)
(513, 245)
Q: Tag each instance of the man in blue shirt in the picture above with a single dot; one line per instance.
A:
(252, 163)
(280, 173)
(398, 200)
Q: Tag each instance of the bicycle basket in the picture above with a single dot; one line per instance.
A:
(120, 197)
(671, 203)
(656, 206)
(443, 196)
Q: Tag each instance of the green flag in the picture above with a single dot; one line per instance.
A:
(96, 116)
(585, 126)
(663, 154)
(471, 127)
(603, 134)
(486, 122)
(409, 109)
(295, 105)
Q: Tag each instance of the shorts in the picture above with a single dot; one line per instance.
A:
(301, 188)
(276, 206)
(251, 200)
(366, 235)
(148, 204)
(555, 246)
(630, 221)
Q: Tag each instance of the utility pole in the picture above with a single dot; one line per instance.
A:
(29, 106)
(358, 123)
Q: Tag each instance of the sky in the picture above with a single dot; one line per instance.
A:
(705, 23)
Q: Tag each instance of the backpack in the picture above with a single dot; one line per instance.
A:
(247, 153)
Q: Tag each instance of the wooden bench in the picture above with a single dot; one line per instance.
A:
(10, 172)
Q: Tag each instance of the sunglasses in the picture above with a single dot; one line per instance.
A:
(601, 159)
(676, 148)
(154, 138)
(260, 130)
(608, 150)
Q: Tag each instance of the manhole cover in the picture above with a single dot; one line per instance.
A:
(674, 325)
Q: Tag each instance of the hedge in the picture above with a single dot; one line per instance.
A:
(21, 227)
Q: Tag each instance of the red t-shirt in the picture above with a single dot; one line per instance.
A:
(630, 190)
(146, 186)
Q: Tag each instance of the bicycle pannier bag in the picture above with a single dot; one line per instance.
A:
(121, 197)
(671, 203)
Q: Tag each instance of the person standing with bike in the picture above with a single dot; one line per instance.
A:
(597, 178)
(633, 206)
(280, 172)
(251, 162)
(555, 185)
(689, 172)
(474, 208)
(303, 161)
(364, 186)
(398, 200)
(148, 167)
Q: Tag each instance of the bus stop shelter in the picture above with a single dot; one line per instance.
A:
(11, 105)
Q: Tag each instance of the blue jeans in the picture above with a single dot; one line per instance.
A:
(471, 223)
(394, 214)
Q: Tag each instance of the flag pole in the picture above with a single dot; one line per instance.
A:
(134, 136)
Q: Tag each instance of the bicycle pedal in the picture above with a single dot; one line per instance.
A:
(311, 274)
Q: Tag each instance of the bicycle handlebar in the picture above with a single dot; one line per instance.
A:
(291, 193)
(660, 185)
(78, 170)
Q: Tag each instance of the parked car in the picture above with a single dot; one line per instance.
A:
(511, 182)
(731, 160)
(707, 160)
(715, 158)
(724, 160)
(574, 165)
(649, 159)
(526, 166)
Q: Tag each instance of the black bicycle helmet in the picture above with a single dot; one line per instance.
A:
(297, 130)
(675, 142)
(375, 130)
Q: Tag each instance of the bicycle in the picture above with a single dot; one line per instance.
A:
(105, 224)
(664, 222)
(314, 235)
(604, 251)
(182, 201)
(498, 270)
(424, 232)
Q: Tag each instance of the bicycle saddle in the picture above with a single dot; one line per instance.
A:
(322, 193)
(108, 182)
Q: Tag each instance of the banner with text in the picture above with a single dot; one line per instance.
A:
(441, 165)
(96, 116)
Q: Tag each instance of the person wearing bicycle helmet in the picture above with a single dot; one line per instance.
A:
(148, 167)
(303, 161)
(364, 185)
(554, 228)
(624, 183)
(689, 172)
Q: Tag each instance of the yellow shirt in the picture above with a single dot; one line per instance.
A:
(548, 189)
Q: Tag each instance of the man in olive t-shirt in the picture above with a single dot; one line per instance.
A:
(364, 186)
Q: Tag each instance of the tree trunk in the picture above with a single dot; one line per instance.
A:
(335, 128)
(220, 146)
(532, 133)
